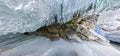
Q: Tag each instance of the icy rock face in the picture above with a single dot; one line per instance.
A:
(29, 15)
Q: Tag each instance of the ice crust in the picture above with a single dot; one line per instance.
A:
(29, 15)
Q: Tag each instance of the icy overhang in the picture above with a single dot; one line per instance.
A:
(29, 15)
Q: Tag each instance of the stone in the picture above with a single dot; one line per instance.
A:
(57, 31)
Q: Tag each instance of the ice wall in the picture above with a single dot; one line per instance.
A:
(29, 15)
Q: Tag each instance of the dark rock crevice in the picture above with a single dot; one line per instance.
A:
(78, 25)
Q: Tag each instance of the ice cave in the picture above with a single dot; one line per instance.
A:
(59, 27)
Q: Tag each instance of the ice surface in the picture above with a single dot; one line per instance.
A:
(110, 20)
(29, 15)
(44, 47)
(112, 36)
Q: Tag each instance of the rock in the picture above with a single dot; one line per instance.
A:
(57, 31)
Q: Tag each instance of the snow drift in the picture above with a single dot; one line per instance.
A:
(41, 46)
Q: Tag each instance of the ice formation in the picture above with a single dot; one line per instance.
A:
(29, 15)
(109, 21)
(41, 46)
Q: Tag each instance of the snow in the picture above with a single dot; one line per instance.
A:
(28, 15)
(109, 20)
(42, 46)
(116, 45)
(112, 36)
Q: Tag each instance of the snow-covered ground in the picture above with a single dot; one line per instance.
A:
(116, 45)
(42, 46)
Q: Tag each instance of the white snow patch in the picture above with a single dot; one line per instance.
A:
(44, 47)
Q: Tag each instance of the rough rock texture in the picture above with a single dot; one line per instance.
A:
(79, 26)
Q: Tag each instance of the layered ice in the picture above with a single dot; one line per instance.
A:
(109, 20)
(42, 46)
(29, 15)
(22, 45)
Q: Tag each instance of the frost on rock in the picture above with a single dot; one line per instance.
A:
(29, 15)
